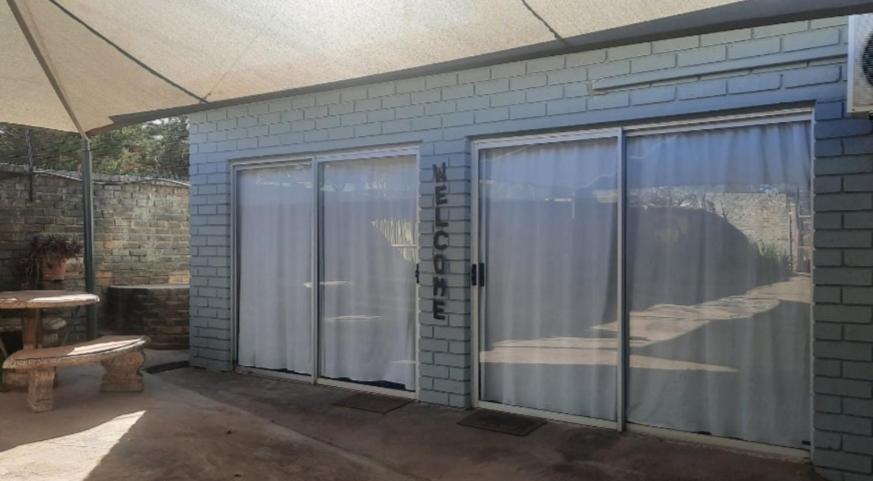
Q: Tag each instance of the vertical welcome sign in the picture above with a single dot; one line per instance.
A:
(440, 241)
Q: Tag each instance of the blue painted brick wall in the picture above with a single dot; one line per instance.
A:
(800, 63)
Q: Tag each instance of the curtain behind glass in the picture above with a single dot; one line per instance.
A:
(369, 253)
(548, 238)
(274, 208)
(719, 291)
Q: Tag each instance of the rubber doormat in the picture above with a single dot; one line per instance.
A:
(372, 403)
(166, 367)
(502, 422)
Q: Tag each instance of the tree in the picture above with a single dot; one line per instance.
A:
(158, 148)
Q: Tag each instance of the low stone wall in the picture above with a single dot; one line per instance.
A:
(140, 229)
(159, 311)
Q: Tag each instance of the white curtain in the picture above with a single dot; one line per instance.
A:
(274, 208)
(548, 240)
(368, 257)
(718, 245)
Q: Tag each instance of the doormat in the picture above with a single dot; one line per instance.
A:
(372, 403)
(502, 422)
(166, 367)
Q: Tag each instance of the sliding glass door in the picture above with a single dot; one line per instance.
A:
(719, 289)
(325, 280)
(368, 258)
(274, 236)
(657, 276)
(547, 242)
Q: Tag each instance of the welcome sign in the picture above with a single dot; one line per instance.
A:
(440, 241)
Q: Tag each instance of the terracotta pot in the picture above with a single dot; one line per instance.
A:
(52, 268)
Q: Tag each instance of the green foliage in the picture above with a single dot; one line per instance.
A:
(158, 148)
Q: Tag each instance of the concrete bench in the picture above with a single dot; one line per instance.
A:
(121, 356)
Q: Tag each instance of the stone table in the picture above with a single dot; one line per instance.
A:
(31, 304)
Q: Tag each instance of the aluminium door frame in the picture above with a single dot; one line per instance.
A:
(476, 258)
(315, 161)
(789, 115)
(411, 150)
(237, 166)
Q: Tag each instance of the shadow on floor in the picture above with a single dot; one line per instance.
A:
(424, 441)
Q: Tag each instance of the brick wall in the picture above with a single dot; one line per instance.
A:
(766, 68)
(844, 294)
(141, 229)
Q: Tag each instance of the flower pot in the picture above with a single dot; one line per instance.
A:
(53, 268)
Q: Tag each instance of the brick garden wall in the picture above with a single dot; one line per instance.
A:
(141, 228)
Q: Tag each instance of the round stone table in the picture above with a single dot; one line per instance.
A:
(31, 303)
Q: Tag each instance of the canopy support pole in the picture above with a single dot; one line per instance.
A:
(87, 167)
(88, 224)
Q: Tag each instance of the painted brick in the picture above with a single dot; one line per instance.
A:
(673, 44)
(814, 76)
(859, 370)
(699, 56)
(725, 37)
(859, 258)
(842, 313)
(628, 51)
(608, 70)
(653, 95)
(709, 88)
(858, 183)
(851, 462)
(752, 48)
(843, 202)
(780, 29)
(811, 39)
(843, 424)
(586, 58)
(858, 220)
(843, 128)
(843, 276)
(754, 83)
(842, 239)
(527, 82)
(653, 62)
(545, 64)
(608, 101)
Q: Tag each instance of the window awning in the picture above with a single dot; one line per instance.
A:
(123, 61)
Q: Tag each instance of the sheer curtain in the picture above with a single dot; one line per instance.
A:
(368, 257)
(274, 208)
(719, 292)
(548, 238)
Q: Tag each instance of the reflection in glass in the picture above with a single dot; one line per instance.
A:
(368, 258)
(274, 210)
(718, 285)
(548, 226)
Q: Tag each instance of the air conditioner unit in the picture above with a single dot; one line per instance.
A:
(860, 94)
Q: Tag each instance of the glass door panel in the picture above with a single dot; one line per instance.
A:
(547, 237)
(274, 212)
(718, 285)
(368, 257)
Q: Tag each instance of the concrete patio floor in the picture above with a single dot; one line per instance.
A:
(191, 424)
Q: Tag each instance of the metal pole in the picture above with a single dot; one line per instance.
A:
(88, 217)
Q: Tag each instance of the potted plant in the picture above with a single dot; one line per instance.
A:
(47, 259)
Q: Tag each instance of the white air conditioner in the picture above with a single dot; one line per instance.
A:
(860, 95)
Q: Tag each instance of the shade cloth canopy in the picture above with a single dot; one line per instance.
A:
(127, 61)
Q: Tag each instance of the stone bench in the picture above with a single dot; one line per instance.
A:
(51, 328)
(121, 356)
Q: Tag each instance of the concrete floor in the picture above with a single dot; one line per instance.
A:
(195, 425)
